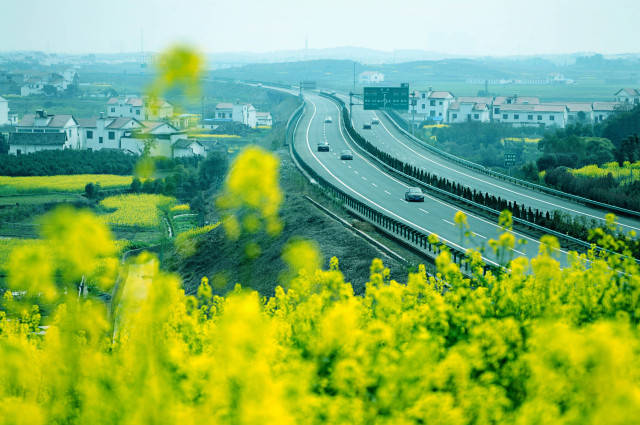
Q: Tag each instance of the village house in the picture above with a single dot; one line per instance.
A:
(244, 113)
(579, 112)
(157, 135)
(187, 148)
(469, 108)
(40, 125)
(49, 84)
(432, 105)
(603, 110)
(370, 77)
(628, 95)
(139, 108)
(544, 115)
(264, 120)
(106, 132)
(224, 111)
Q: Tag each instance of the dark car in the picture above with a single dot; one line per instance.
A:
(414, 194)
(323, 147)
(366, 126)
(375, 122)
(328, 120)
(346, 155)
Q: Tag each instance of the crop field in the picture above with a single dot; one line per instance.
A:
(67, 183)
(141, 210)
(626, 174)
(182, 219)
(8, 244)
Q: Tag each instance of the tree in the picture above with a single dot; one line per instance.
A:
(136, 185)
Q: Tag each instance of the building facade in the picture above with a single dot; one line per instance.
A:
(42, 123)
(628, 95)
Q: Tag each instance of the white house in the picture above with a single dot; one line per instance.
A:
(579, 112)
(603, 110)
(370, 77)
(35, 85)
(468, 108)
(244, 113)
(628, 95)
(4, 111)
(224, 111)
(23, 143)
(186, 148)
(139, 108)
(547, 115)
(432, 105)
(160, 135)
(41, 122)
(264, 119)
(106, 132)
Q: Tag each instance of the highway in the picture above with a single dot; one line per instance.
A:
(365, 181)
(393, 141)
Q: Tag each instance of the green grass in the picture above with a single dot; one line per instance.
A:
(45, 198)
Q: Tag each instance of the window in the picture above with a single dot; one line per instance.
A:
(496, 111)
(423, 95)
(423, 106)
(112, 135)
(552, 118)
(439, 114)
(137, 111)
(432, 103)
(113, 109)
(454, 116)
(432, 113)
(440, 103)
(476, 116)
(539, 117)
(530, 117)
(130, 110)
(505, 116)
(89, 134)
(516, 116)
(100, 139)
(18, 151)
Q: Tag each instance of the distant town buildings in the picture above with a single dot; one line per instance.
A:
(49, 84)
(264, 120)
(4, 111)
(370, 77)
(444, 107)
(42, 131)
(243, 113)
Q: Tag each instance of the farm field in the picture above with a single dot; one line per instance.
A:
(626, 174)
(64, 183)
(44, 198)
(141, 210)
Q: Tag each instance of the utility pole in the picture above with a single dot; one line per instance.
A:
(354, 75)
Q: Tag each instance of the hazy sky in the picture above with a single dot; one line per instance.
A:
(474, 27)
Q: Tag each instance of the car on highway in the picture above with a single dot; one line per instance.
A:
(366, 126)
(414, 194)
(375, 121)
(346, 154)
(323, 146)
(328, 120)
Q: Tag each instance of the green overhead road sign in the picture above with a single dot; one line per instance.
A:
(387, 97)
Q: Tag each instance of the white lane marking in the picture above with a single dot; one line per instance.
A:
(364, 178)
(355, 171)
(404, 200)
(447, 221)
(424, 211)
(478, 234)
(399, 218)
(374, 185)
(387, 192)
(519, 252)
(496, 185)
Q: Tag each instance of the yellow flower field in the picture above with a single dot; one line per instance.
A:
(521, 139)
(628, 173)
(435, 126)
(65, 183)
(135, 210)
(180, 207)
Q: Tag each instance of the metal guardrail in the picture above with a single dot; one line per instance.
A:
(524, 183)
(406, 234)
